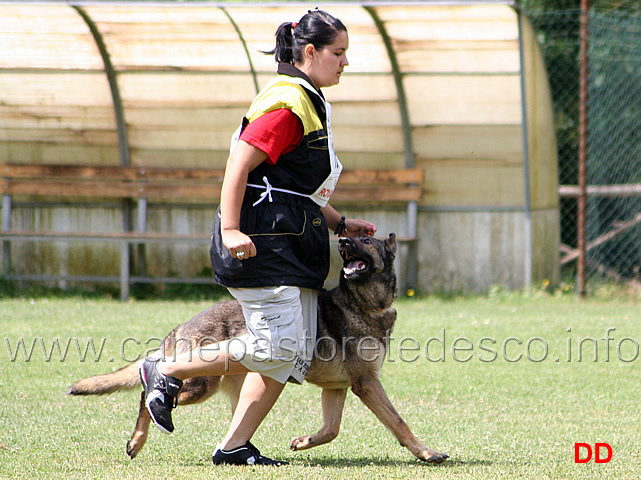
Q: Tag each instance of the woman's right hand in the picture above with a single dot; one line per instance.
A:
(240, 246)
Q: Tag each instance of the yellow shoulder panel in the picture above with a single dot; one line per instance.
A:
(286, 95)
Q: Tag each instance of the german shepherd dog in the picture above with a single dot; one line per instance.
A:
(355, 317)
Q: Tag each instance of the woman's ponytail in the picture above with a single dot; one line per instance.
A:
(283, 51)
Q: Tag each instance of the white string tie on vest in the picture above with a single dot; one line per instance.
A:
(266, 194)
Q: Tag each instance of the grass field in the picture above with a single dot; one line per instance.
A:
(499, 414)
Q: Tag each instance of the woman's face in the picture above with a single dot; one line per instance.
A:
(325, 66)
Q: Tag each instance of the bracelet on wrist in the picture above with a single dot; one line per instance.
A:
(341, 228)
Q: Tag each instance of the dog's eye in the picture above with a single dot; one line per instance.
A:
(367, 240)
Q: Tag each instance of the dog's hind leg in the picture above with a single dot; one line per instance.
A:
(333, 402)
(232, 385)
(139, 436)
(198, 389)
(371, 392)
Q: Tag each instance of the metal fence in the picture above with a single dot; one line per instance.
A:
(611, 233)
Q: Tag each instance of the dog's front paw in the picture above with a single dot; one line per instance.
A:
(132, 449)
(432, 456)
(302, 443)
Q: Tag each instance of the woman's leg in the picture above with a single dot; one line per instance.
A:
(210, 360)
(273, 316)
(257, 397)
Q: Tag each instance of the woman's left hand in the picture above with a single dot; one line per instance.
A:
(356, 227)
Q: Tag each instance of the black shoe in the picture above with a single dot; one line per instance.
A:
(161, 394)
(245, 455)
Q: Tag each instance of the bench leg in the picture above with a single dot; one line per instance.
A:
(6, 226)
(6, 257)
(124, 270)
(411, 279)
(142, 228)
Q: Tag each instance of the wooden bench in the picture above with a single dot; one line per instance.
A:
(140, 185)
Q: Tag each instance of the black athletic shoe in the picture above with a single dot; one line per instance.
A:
(245, 455)
(161, 394)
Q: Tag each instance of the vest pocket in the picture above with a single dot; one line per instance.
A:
(276, 219)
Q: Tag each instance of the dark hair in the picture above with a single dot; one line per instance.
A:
(316, 27)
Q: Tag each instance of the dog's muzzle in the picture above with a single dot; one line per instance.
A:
(353, 264)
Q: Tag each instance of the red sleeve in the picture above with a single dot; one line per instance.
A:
(275, 133)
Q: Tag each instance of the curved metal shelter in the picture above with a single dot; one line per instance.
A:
(455, 87)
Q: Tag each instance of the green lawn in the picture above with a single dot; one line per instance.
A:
(498, 415)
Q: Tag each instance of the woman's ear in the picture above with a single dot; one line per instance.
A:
(309, 51)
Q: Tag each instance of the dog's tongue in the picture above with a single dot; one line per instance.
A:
(354, 266)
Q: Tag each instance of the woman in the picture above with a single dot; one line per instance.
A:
(270, 245)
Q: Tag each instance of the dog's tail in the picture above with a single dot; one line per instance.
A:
(126, 378)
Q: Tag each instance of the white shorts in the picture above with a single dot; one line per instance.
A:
(281, 331)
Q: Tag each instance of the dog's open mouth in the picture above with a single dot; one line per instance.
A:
(353, 266)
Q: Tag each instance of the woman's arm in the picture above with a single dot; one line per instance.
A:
(242, 160)
(354, 226)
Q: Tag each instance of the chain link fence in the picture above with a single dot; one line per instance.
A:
(613, 215)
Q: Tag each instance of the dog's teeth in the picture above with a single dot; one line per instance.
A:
(354, 266)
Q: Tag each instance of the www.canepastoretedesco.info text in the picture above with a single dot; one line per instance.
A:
(606, 347)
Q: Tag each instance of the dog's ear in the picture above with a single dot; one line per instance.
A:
(390, 244)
